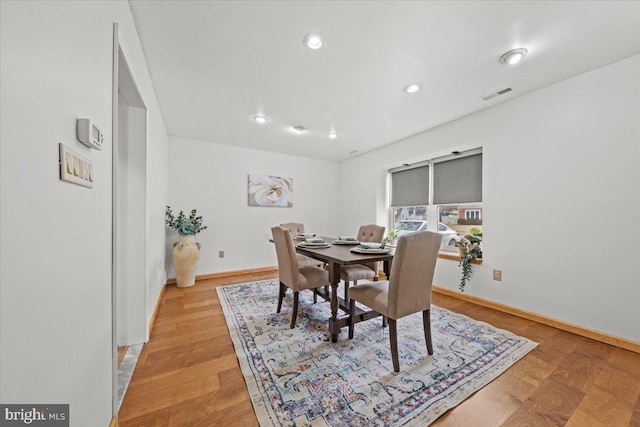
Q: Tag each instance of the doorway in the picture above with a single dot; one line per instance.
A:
(129, 221)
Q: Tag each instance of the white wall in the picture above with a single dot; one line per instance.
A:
(55, 278)
(561, 205)
(213, 178)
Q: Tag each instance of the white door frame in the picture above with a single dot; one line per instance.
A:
(129, 217)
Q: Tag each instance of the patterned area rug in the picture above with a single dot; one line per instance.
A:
(297, 377)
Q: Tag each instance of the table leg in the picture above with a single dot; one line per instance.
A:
(334, 278)
(386, 267)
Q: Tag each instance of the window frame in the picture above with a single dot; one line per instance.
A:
(432, 210)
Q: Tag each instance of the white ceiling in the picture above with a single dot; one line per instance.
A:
(215, 65)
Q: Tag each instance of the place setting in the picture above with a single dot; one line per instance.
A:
(346, 240)
(314, 243)
(371, 248)
(304, 236)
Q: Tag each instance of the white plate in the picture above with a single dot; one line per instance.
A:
(314, 243)
(370, 251)
(314, 246)
(346, 242)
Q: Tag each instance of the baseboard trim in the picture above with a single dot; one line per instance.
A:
(549, 321)
(152, 321)
(223, 274)
(114, 422)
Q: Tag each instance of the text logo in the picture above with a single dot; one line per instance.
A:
(34, 415)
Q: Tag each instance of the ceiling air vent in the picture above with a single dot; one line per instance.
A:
(494, 94)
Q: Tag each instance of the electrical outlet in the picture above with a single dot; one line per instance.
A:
(220, 254)
(497, 275)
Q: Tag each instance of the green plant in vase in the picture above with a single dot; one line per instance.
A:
(184, 225)
(186, 251)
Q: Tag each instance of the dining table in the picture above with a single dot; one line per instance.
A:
(336, 256)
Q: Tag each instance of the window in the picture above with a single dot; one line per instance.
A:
(445, 192)
(472, 214)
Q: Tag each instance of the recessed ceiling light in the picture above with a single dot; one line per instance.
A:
(332, 135)
(260, 119)
(412, 88)
(313, 41)
(299, 129)
(513, 56)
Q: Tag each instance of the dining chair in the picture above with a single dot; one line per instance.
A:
(297, 228)
(365, 270)
(407, 291)
(291, 275)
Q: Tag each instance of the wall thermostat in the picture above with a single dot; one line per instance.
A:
(89, 134)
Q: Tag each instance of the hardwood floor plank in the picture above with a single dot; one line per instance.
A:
(620, 384)
(578, 370)
(232, 396)
(497, 401)
(605, 408)
(553, 401)
(147, 395)
(159, 418)
(185, 355)
(635, 417)
(188, 373)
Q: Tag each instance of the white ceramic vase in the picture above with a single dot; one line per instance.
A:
(186, 253)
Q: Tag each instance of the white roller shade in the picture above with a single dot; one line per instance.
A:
(458, 180)
(410, 187)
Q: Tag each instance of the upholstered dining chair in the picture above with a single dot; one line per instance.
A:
(297, 228)
(292, 276)
(407, 291)
(366, 270)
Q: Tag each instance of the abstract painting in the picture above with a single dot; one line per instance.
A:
(267, 190)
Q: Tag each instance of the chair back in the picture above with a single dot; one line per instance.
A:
(411, 274)
(371, 233)
(286, 253)
(294, 227)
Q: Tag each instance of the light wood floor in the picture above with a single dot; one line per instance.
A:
(188, 374)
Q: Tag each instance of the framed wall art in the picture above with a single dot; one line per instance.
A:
(267, 190)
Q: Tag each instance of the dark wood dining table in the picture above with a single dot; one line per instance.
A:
(336, 256)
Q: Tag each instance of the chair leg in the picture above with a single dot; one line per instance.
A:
(315, 295)
(384, 321)
(346, 291)
(352, 319)
(393, 339)
(281, 292)
(294, 315)
(426, 322)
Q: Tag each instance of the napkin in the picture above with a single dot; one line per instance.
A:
(372, 245)
(314, 240)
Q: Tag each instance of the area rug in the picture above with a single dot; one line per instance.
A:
(297, 377)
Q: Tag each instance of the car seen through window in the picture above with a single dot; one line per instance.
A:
(413, 225)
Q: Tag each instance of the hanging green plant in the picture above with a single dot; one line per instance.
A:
(470, 247)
